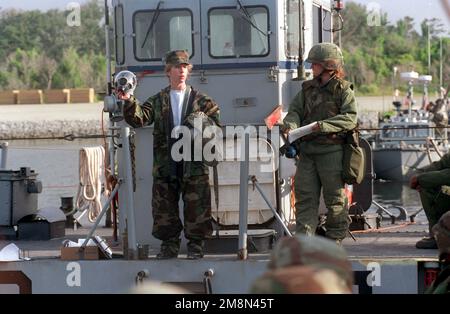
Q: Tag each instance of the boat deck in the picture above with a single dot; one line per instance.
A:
(392, 247)
(391, 241)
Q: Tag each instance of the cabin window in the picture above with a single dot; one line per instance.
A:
(317, 25)
(119, 39)
(321, 25)
(326, 26)
(157, 32)
(292, 28)
(238, 32)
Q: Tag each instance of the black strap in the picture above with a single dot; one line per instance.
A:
(186, 101)
(187, 110)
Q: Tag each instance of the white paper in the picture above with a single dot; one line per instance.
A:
(300, 132)
(9, 253)
(68, 243)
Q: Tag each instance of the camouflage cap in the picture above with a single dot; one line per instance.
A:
(177, 57)
(300, 279)
(441, 232)
(316, 251)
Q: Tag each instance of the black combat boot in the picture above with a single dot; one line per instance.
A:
(427, 243)
(195, 249)
(169, 249)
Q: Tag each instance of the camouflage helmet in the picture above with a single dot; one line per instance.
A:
(300, 280)
(327, 54)
(317, 251)
(441, 232)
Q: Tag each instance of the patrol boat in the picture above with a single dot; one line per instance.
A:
(410, 139)
(248, 55)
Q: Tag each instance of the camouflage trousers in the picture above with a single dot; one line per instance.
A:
(196, 195)
(316, 173)
(434, 202)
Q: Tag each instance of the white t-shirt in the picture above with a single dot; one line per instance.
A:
(176, 101)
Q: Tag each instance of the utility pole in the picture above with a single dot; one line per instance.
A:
(429, 49)
(440, 63)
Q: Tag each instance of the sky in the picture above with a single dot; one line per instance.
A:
(418, 9)
(42, 5)
(396, 9)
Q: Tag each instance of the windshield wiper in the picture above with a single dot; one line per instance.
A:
(248, 18)
(152, 23)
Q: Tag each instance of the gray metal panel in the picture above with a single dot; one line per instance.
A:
(249, 84)
(143, 193)
(228, 93)
(51, 214)
(144, 182)
(230, 275)
(5, 203)
(395, 276)
(24, 203)
(399, 164)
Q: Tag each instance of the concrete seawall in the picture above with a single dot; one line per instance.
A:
(56, 120)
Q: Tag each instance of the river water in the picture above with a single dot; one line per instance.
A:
(56, 162)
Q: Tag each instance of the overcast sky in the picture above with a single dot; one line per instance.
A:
(418, 9)
(396, 9)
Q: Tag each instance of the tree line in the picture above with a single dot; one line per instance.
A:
(372, 52)
(40, 50)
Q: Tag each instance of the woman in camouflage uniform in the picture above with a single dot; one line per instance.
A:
(169, 109)
(327, 102)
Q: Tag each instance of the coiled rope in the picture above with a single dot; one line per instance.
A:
(91, 164)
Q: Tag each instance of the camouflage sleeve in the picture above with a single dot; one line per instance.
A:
(443, 163)
(210, 108)
(346, 120)
(293, 118)
(138, 115)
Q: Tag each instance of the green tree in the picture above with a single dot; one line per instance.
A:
(39, 50)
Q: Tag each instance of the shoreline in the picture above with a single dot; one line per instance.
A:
(59, 120)
(52, 120)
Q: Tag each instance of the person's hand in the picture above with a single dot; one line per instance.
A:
(122, 95)
(285, 132)
(414, 183)
(316, 128)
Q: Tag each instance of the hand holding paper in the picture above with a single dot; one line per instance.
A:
(300, 132)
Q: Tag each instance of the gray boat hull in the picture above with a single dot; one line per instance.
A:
(399, 164)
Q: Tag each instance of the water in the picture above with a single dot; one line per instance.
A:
(391, 194)
(56, 161)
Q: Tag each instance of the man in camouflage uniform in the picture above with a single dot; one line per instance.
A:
(441, 231)
(329, 102)
(430, 183)
(306, 264)
(168, 109)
